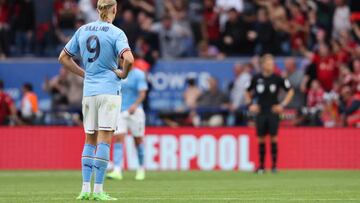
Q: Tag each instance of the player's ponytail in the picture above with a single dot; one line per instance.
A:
(103, 7)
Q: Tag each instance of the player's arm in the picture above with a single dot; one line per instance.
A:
(139, 101)
(68, 52)
(70, 64)
(126, 61)
(141, 97)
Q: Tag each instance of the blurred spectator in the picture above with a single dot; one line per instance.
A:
(264, 42)
(223, 6)
(24, 26)
(195, 16)
(341, 19)
(191, 94)
(130, 27)
(65, 20)
(44, 34)
(8, 112)
(29, 104)
(206, 50)
(280, 22)
(88, 10)
(65, 90)
(211, 27)
(324, 64)
(315, 96)
(350, 107)
(213, 105)
(295, 77)
(237, 91)
(57, 87)
(234, 37)
(4, 28)
(175, 41)
(297, 26)
(311, 114)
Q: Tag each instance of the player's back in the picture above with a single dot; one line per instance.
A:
(100, 43)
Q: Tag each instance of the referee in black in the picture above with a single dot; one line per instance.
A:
(262, 98)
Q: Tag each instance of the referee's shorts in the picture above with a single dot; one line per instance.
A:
(267, 123)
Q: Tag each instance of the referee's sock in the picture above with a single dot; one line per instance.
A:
(87, 166)
(262, 155)
(274, 152)
(100, 164)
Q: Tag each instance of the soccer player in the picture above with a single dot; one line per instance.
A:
(132, 118)
(266, 86)
(103, 47)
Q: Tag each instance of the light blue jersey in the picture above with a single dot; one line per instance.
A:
(131, 86)
(99, 44)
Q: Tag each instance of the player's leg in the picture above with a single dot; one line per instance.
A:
(116, 174)
(119, 135)
(88, 154)
(261, 131)
(274, 127)
(109, 110)
(101, 160)
(137, 128)
(140, 173)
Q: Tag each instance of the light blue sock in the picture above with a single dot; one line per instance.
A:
(101, 161)
(118, 154)
(140, 154)
(87, 162)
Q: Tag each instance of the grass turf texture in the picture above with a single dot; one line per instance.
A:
(194, 187)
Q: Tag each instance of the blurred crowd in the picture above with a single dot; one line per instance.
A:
(324, 32)
(185, 28)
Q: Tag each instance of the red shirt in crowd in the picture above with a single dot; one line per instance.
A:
(4, 13)
(315, 97)
(298, 20)
(5, 105)
(212, 24)
(326, 70)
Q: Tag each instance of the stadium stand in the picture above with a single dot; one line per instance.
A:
(323, 36)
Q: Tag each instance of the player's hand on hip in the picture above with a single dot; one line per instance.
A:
(121, 74)
(277, 108)
(254, 108)
(132, 109)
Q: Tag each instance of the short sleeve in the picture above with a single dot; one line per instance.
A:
(121, 44)
(72, 47)
(285, 84)
(142, 83)
(250, 85)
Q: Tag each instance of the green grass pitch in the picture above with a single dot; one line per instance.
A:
(193, 187)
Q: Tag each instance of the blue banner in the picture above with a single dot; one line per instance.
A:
(15, 73)
(168, 78)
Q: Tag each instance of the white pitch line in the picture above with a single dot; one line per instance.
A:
(214, 199)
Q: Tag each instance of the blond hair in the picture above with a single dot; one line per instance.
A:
(103, 7)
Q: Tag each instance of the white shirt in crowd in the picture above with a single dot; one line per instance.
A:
(237, 94)
(341, 20)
